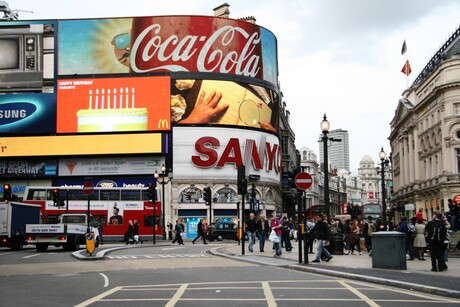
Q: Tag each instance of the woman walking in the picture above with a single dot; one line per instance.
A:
(419, 240)
(355, 237)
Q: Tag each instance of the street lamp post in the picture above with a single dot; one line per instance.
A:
(384, 161)
(325, 129)
(163, 182)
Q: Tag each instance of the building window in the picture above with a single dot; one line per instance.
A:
(457, 108)
(190, 195)
(458, 160)
(225, 195)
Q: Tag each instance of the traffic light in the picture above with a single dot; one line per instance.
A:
(242, 181)
(6, 191)
(56, 198)
(207, 196)
(151, 193)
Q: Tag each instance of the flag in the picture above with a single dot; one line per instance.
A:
(406, 68)
(404, 48)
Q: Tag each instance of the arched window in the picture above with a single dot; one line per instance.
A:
(269, 197)
(225, 195)
(190, 195)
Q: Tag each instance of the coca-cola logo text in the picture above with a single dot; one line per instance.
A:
(229, 49)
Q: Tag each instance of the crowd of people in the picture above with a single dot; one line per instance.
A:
(421, 235)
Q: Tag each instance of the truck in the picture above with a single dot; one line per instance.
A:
(13, 219)
(69, 232)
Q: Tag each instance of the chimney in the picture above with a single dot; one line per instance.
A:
(222, 11)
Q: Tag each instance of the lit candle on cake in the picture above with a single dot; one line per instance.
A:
(114, 98)
(108, 98)
(127, 93)
(132, 97)
(97, 99)
(90, 99)
(121, 97)
(102, 99)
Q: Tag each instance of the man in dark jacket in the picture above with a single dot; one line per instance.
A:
(436, 234)
(263, 229)
(201, 229)
(322, 233)
(251, 231)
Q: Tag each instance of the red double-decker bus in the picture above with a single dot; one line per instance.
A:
(111, 207)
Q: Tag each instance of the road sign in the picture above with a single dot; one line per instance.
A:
(303, 181)
(88, 188)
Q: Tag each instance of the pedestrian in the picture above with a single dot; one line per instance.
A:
(436, 233)
(310, 234)
(275, 225)
(262, 228)
(419, 215)
(128, 238)
(355, 237)
(101, 232)
(292, 228)
(251, 231)
(201, 229)
(178, 233)
(454, 211)
(420, 241)
(346, 232)
(286, 235)
(170, 231)
(404, 228)
(136, 237)
(322, 234)
(369, 228)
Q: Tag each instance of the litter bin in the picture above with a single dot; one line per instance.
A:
(389, 250)
(337, 244)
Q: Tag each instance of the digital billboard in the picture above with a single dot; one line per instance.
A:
(66, 145)
(113, 104)
(27, 56)
(167, 44)
(27, 113)
(220, 102)
(216, 152)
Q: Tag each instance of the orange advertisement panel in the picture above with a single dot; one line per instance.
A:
(147, 143)
(113, 104)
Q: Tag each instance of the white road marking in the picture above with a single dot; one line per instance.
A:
(106, 280)
(176, 297)
(34, 255)
(358, 293)
(269, 294)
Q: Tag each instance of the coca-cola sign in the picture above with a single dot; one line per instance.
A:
(169, 44)
(200, 44)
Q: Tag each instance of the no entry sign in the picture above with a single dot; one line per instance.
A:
(303, 181)
(88, 188)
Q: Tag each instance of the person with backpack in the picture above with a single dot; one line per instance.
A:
(404, 228)
(369, 228)
(436, 234)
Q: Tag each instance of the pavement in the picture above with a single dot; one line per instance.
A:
(417, 276)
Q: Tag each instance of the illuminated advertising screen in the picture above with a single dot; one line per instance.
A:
(167, 44)
(67, 145)
(113, 104)
(27, 113)
(220, 102)
(216, 152)
(27, 56)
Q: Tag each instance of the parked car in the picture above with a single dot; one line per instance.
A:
(222, 231)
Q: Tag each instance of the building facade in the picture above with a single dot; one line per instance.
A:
(338, 151)
(116, 111)
(425, 136)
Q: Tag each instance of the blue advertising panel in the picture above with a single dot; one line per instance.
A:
(27, 113)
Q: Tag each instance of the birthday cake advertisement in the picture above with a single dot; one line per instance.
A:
(113, 105)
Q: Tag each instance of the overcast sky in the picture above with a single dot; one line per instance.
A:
(340, 57)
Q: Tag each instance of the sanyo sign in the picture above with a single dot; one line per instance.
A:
(216, 152)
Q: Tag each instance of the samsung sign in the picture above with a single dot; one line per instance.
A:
(26, 113)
